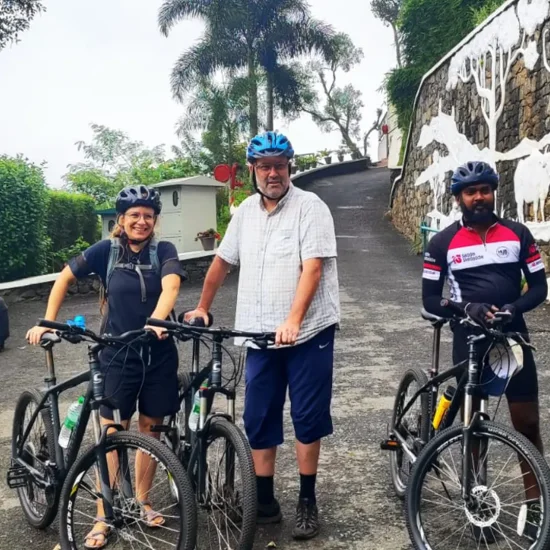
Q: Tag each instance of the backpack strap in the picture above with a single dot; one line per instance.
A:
(114, 255)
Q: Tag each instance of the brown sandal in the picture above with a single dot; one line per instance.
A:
(150, 517)
(103, 531)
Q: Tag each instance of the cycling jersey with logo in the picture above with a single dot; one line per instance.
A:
(481, 270)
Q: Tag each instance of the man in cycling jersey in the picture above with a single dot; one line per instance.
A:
(483, 257)
(283, 239)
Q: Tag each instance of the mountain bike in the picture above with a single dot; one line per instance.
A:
(44, 474)
(477, 480)
(217, 455)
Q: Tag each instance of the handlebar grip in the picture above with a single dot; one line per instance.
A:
(456, 309)
(54, 325)
(195, 321)
(170, 325)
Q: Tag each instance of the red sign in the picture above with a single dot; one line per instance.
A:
(222, 173)
(385, 128)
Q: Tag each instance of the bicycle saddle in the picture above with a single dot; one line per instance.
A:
(434, 319)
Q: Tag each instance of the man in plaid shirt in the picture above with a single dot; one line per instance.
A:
(283, 239)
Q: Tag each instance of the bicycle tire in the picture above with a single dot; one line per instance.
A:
(220, 427)
(396, 457)
(487, 429)
(27, 397)
(177, 474)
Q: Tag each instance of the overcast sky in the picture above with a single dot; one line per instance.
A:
(105, 61)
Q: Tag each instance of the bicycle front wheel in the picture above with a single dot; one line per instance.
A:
(507, 500)
(413, 427)
(227, 510)
(153, 502)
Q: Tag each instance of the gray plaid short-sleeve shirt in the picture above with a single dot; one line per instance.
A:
(270, 249)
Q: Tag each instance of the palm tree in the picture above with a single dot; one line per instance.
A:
(259, 35)
(219, 111)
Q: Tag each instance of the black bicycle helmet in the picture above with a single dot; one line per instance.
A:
(138, 195)
(473, 173)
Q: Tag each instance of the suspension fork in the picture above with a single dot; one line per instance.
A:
(471, 420)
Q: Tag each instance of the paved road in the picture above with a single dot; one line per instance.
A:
(381, 335)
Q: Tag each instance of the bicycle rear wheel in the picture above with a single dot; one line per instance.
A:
(508, 501)
(169, 494)
(227, 512)
(39, 505)
(414, 426)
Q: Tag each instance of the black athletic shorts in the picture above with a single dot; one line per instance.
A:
(152, 385)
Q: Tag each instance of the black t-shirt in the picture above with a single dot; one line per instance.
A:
(126, 311)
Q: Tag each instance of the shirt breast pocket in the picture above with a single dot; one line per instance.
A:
(282, 243)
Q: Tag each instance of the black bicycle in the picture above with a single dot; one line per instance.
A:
(103, 483)
(477, 480)
(217, 455)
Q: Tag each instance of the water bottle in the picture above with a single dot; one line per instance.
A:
(70, 422)
(196, 410)
(442, 406)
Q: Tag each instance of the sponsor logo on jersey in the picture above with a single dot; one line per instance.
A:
(502, 252)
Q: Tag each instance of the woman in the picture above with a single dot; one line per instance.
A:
(135, 290)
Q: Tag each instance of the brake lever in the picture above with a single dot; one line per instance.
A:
(72, 337)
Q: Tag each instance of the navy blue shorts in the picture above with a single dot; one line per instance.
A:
(306, 370)
(153, 387)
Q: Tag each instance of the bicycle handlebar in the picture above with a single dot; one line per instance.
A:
(195, 330)
(76, 334)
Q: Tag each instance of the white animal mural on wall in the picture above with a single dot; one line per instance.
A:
(531, 183)
(487, 60)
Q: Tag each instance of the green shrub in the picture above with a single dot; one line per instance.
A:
(71, 219)
(23, 207)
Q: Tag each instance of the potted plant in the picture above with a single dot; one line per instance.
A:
(355, 155)
(326, 154)
(293, 168)
(208, 238)
(341, 152)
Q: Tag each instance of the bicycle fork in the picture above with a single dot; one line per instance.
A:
(103, 474)
(474, 449)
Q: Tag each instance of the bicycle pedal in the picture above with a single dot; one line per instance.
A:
(17, 476)
(390, 445)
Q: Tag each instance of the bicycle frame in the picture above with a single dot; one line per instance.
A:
(466, 390)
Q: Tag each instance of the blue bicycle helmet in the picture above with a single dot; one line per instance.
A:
(269, 144)
(138, 195)
(473, 173)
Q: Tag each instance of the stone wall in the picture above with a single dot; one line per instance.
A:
(453, 124)
(196, 270)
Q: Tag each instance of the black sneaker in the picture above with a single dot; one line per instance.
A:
(484, 535)
(307, 520)
(269, 513)
(532, 520)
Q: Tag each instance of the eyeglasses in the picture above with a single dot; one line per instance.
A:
(134, 217)
(266, 168)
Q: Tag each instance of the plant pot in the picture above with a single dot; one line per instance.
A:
(340, 158)
(314, 164)
(328, 160)
(293, 169)
(308, 165)
(208, 242)
(354, 156)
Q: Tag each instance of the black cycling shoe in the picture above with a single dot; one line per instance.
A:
(307, 520)
(269, 513)
(484, 535)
